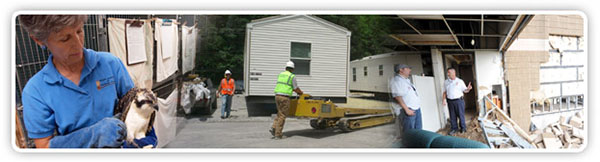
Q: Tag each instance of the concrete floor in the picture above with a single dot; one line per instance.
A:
(241, 131)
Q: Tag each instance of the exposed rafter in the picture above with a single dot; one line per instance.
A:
(477, 35)
(510, 32)
(482, 25)
(488, 20)
(411, 26)
(466, 50)
(452, 32)
(521, 24)
(403, 42)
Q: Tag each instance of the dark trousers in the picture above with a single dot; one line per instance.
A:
(456, 108)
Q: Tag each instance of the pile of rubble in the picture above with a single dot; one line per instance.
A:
(473, 132)
(561, 135)
(502, 132)
(499, 130)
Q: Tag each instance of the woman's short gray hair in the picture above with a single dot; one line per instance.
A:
(40, 26)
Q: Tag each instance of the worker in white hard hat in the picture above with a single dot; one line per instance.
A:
(226, 90)
(285, 87)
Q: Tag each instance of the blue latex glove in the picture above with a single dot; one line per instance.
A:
(150, 139)
(106, 133)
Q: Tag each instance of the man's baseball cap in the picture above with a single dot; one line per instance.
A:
(401, 66)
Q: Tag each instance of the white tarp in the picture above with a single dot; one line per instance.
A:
(166, 121)
(199, 90)
(430, 114)
(166, 52)
(188, 36)
(141, 73)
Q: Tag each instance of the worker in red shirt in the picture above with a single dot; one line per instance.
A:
(226, 90)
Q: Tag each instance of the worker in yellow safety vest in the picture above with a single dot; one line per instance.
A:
(286, 85)
(226, 89)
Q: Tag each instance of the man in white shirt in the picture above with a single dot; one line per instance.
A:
(405, 101)
(454, 89)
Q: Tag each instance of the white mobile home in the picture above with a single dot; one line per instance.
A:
(371, 73)
(319, 49)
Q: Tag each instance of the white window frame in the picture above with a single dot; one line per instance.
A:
(381, 70)
(354, 74)
(309, 59)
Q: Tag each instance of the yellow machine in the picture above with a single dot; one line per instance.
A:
(328, 114)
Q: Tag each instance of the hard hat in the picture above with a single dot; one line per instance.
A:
(227, 72)
(289, 64)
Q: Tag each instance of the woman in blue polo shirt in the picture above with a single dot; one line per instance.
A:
(69, 103)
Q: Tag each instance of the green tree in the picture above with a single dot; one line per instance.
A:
(368, 33)
(222, 46)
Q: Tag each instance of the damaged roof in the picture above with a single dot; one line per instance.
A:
(456, 32)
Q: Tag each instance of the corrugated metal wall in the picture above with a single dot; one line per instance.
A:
(270, 50)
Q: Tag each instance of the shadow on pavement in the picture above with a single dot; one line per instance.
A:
(313, 133)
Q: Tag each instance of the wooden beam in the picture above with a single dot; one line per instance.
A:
(452, 32)
(482, 25)
(523, 23)
(510, 32)
(489, 20)
(407, 23)
(403, 42)
(477, 35)
(515, 126)
(422, 17)
(468, 49)
(441, 43)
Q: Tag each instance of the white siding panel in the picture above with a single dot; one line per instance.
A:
(270, 50)
(373, 82)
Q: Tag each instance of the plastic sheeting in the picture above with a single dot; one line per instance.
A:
(166, 121)
(141, 73)
(166, 66)
(189, 36)
(199, 90)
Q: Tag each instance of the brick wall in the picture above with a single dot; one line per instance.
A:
(523, 65)
(522, 74)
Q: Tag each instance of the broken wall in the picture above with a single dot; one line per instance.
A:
(489, 71)
(527, 54)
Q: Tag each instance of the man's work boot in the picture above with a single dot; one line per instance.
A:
(272, 130)
(279, 137)
(452, 132)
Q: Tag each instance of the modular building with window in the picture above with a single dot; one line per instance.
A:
(371, 74)
(319, 49)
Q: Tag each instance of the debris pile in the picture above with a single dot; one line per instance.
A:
(501, 131)
(562, 134)
(473, 132)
